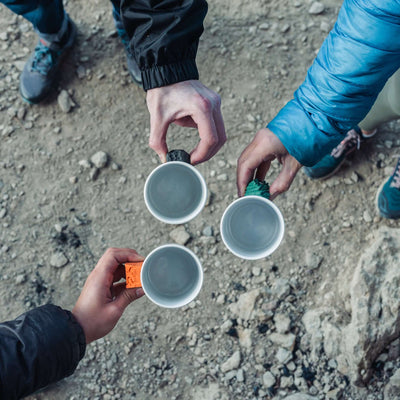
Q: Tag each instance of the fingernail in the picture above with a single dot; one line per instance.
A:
(139, 292)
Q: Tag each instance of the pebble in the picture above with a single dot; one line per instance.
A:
(316, 8)
(85, 164)
(222, 177)
(21, 278)
(99, 159)
(73, 179)
(286, 341)
(81, 72)
(208, 231)
(283, 355)
(58, 260)
(367, 216)
(3, 213)
(264, 26)
(64, 101)
(94, 173)
(232, 362)
(4, 36)
(282, 323)
(268, 379)
(240, 375)
(180, 236)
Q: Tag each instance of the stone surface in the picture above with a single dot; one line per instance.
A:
(58, 260)
(64, 101)
(179, 235)
(99, 159)
(244, 307)
(268, 379)
(232, 362)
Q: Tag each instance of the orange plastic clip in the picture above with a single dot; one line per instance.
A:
(132, 273)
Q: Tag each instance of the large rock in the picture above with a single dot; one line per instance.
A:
(374, 306)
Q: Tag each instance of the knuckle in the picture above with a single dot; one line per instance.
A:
(203, 103)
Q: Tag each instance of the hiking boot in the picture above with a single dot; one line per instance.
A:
(40, 71)
(329, 164)
(389, 195)
(132, 65)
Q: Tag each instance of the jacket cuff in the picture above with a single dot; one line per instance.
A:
(164, 75)
(303, 135)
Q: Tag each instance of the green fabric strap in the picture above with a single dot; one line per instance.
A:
(257, 188)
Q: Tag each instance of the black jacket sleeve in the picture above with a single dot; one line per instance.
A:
(40, 347)
(164, 38)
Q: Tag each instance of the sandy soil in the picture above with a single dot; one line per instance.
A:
(157, 353)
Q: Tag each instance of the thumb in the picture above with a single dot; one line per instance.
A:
(127, 296)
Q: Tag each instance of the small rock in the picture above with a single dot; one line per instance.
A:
(268, 379)
(244, 307)
(264, 26)
(283, 355)
(85, 164)
(300, 396)
(222, 177)
(4, 36)
(240, 375)
(99, 159)
(232, 362)
(316, 8)
(58, 260)
(367, 216)
(115, 166)
(208, 231)
(3, 213)
(81, 72)
(286, 341)
(94, 173)
(64, 101)
(73, 179)
(282, 323)
(179, 235)
(20, 279)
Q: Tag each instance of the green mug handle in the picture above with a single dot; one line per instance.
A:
(257, 188)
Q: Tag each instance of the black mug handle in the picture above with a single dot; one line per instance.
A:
(178, 155)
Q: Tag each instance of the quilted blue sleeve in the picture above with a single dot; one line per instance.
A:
(356, 59)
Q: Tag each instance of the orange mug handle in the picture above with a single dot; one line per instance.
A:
(132, 274)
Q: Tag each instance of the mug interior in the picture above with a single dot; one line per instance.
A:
(252, 227)
(171, 276)
(175, 192)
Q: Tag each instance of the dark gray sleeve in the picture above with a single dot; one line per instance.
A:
(39, 347)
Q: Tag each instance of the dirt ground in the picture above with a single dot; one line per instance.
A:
(254, 54)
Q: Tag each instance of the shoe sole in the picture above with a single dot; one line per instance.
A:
(65, 52)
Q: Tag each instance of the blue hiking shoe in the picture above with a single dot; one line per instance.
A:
(329, 164)
(389, 195)
(40, 71)
(132, 65)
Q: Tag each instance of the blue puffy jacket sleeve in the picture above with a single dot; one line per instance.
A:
(356, 59)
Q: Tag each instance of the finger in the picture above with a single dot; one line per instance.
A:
(158, 137)
(127, 296)
(208, 137)
(219, 125)
(262, 170)
(248, 162)
(112, 258)
(285, 178)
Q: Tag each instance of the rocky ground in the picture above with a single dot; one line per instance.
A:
(316, 320)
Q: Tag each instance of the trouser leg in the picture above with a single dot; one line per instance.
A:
(387, 105)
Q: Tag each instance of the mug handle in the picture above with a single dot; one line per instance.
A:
(178, 155)
(132, 274)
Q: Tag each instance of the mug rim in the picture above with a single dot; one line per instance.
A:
(194, 213)
(278, 241)
(199, 268)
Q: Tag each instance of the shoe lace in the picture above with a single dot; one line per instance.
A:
(395, 183)
(351, 141)
(44, 59)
